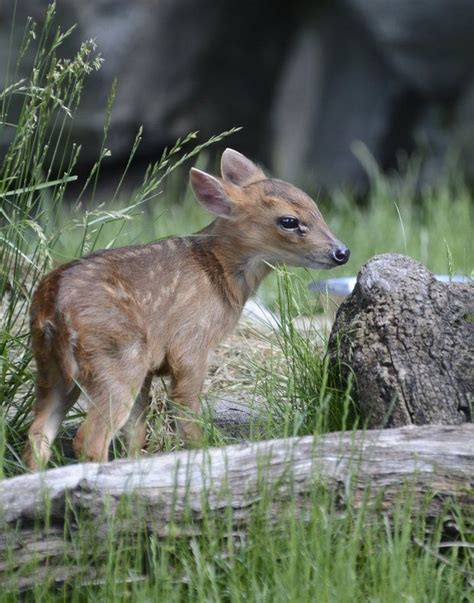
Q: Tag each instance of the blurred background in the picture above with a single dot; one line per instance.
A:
(368, 105)
(316, 86)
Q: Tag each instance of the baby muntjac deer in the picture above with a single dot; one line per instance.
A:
(107, 323)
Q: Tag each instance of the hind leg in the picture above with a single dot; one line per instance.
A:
(135, 428)
(54, 398)
(110, 404)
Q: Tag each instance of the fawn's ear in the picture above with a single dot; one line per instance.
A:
(210, 193)
(236, 168)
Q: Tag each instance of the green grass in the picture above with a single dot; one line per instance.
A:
(327, 558)
(355, 556)
(330, 558)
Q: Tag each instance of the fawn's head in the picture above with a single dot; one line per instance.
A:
(265, 218)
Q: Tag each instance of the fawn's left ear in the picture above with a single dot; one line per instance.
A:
(210, 193)
(239, 170)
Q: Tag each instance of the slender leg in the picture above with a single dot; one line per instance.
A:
(110, 404)
(135, 428)
(54, 398)
(186, 385)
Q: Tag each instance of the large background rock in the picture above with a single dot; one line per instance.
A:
(305, 80)
(336, 90)
(429, 43)
(408, 341)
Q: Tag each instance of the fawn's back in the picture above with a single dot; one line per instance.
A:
(107, 323)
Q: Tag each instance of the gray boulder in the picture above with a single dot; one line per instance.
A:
(337, 91)
(308, 82)
(180, 65)
(429, 43)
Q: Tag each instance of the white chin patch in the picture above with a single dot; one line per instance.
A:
(320, 265)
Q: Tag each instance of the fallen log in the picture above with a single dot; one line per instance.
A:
(177, 491)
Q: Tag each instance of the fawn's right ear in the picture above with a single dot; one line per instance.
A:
(210, 193)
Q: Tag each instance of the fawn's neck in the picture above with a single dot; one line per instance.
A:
(242, 269)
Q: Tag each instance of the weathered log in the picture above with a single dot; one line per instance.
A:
(408, 341)
(177, 491)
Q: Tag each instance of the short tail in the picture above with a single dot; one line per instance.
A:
(51, 335)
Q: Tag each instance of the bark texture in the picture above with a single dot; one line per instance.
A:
(408, 340)
(178, 493)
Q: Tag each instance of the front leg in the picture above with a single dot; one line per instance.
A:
(186, 384)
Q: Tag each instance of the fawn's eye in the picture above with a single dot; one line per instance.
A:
(289, 222)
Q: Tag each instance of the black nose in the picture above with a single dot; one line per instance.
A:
(341, 254)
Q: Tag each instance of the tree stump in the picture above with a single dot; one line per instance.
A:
(408, 340)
